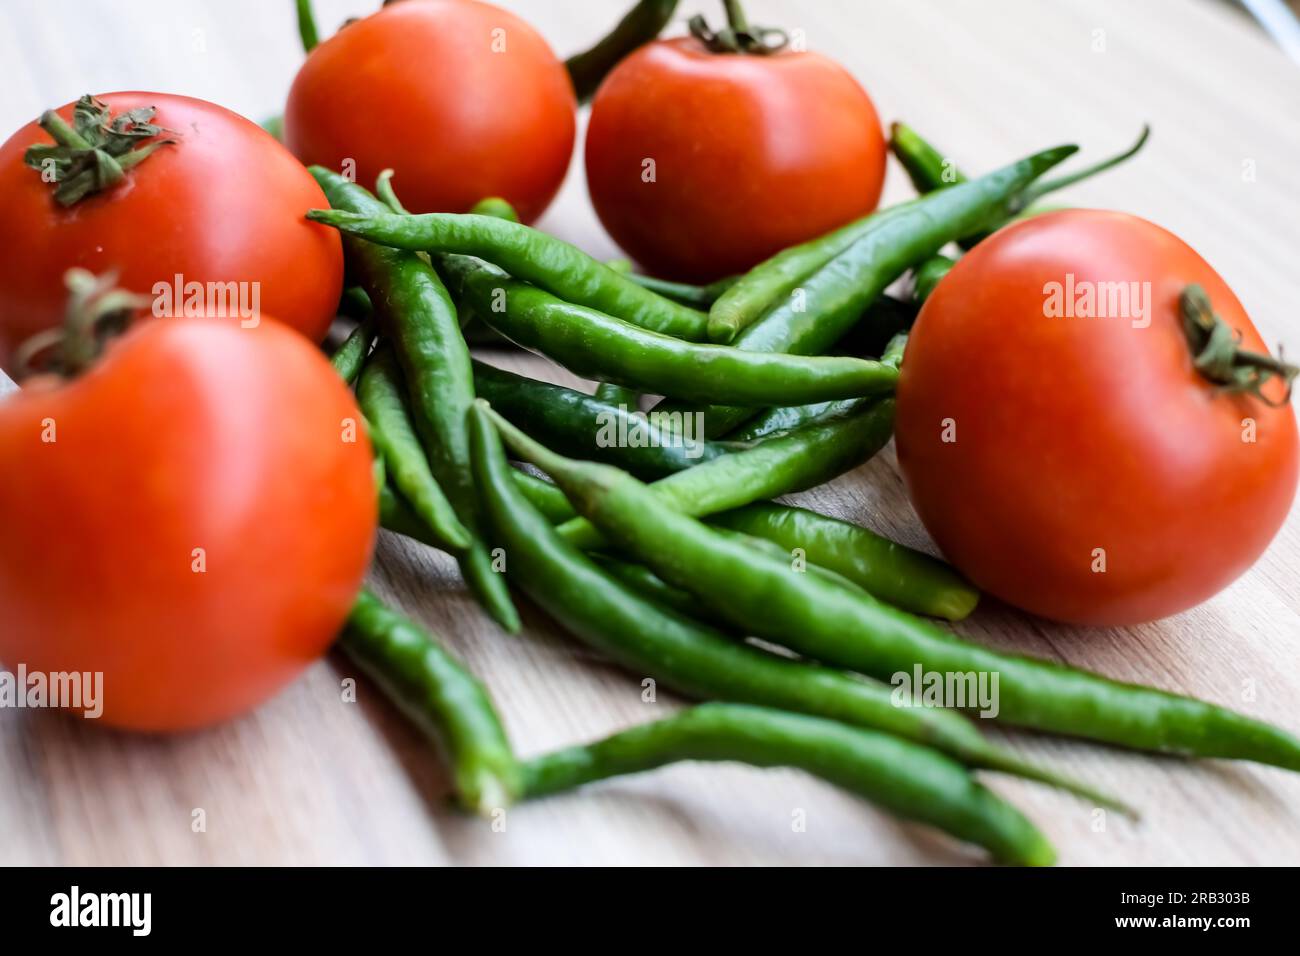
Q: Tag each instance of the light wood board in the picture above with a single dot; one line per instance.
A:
(311, 779)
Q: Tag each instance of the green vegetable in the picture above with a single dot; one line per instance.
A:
(395, 515)
(496, 207)
(586, 427)
(844, 627)
(380, 393)
(595, 345)
(639, 26)
(651, 587)
(349, 357)
(927, 276)
(528, 255)
(912, 781)
(696, 296)
(797, 416)
(617, 395)
(784, 463)
(438, 694)
(307, 26)
(418, 314)
(837, 291)
(692, 658)
(764, 286)
(544, 496)
(895, 574)
(275, 126)
(929, 170)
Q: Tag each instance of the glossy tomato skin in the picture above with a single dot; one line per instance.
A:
(225, 203)
(1074, 434)
(189, 434)
(751, 154)
(427, 87)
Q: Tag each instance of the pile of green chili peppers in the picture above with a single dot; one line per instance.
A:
(657, 540)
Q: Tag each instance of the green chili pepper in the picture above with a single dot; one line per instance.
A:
(439, 695)
(587, 427)
(927, 275)
(496, 207)
(694, 659)
(846, 628)
(349, 357)
(395, 515)
(544, 496)
(696, 296)
(617, 395)
(894, 573)
(911, 781)
(884, 319)
(384, 192)
(528, 255)
(307, 26)
(275, 126)
(926, 166)
(594, 345)
(769, 282)
(421, 320)
(929, 170)
(894, 349)
(379, 392)
(785, 463)
(650, 586)
(837, 293)
(639, 26)
(902, 576)
(474, 331)
(797, 416)
(355, 304)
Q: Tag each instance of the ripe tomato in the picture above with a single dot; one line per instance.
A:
(702, 164)
(1062, 449)
(462, 99)
(225, 203)
(189, 517)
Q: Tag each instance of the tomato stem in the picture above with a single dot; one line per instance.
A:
(61, 132)
(94, 152)
(736, 17)
(738, 36)
(1217, 356)
(97, 311)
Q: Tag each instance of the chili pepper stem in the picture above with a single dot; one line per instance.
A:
(307, 26)
(1040, 189)
(537, 453)
(384, 190)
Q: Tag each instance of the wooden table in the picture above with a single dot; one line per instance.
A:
(310, 778)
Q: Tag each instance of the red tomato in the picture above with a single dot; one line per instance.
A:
(750, 154)
(1077, 465)
(462, 99)
(223, 204)
(189, 434)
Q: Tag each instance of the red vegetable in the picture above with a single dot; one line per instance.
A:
(1058, 441)
(462, 99)
(701, 164)
(192, 517)
(222, 202)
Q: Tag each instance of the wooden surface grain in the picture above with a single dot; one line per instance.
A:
(311, 778)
